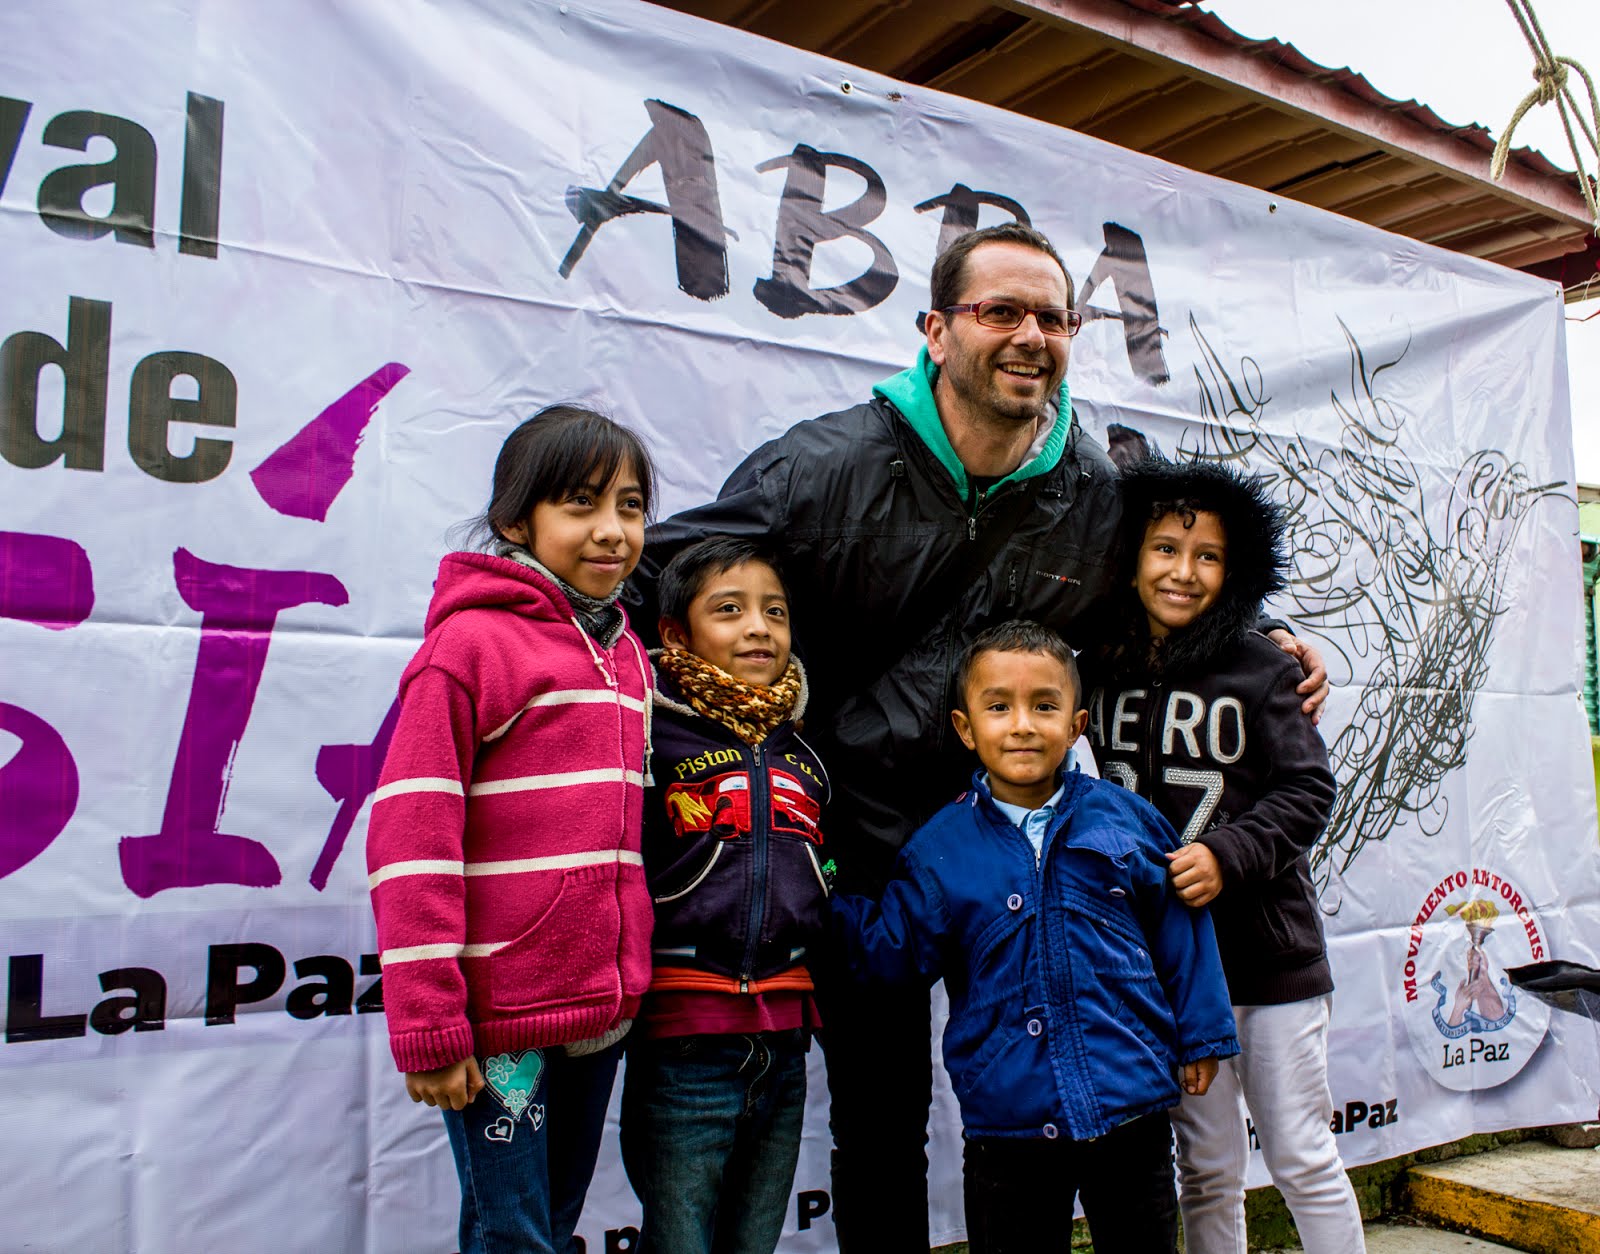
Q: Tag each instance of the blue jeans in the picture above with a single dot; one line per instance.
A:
(525, 1149)
(710, 1138)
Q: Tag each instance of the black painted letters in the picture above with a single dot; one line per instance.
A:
(677, 141)
(803, 224)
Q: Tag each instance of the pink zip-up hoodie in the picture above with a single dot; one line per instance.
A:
(504, 847)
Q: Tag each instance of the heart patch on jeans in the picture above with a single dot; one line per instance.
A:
(513, 1078)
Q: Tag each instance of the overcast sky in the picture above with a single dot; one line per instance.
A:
(1466, 60)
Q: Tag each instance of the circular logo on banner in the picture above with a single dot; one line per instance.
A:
(1468, 1025)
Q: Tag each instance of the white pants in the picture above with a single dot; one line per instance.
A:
(1281, 1075)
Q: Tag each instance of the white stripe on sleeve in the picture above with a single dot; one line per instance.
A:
(421, 953)
(422, 783)
(418, 866)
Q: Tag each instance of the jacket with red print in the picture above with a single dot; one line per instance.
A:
(733, 851)
(504, 848)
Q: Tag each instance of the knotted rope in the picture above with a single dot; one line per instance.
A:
(1550, 74)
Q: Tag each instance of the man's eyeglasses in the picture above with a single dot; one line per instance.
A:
(1005, 315)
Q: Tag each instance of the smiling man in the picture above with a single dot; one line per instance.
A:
(961, 495)
(998, 335)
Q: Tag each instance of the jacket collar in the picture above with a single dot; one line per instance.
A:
(911, 392)
(1073, 783)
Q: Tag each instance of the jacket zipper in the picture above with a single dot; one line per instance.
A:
(759, 806)
(982, 504)
(978, 508)
(945, 729)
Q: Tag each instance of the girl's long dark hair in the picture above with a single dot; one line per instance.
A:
(558, 451)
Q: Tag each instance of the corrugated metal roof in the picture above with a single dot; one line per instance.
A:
(1350, 80)
(1177, 82)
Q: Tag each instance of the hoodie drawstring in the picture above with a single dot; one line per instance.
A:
(649, 709)
(599, 664)
(611, 682)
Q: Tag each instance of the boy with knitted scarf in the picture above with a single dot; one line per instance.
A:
(714, 1093)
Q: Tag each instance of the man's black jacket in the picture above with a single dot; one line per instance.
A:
(878, 547)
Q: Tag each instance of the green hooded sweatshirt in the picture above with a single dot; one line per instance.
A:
(911, 392)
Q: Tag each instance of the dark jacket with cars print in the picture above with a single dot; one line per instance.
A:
(732, 852)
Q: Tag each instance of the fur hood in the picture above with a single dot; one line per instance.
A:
(1256, 565)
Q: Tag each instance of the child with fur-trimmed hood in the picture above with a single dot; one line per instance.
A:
(1195, 710)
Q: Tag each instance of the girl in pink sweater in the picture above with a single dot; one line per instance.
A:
(503, 851)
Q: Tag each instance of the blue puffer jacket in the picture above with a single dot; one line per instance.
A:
(1078, 981)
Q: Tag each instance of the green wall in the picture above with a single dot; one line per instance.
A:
(1588, 531)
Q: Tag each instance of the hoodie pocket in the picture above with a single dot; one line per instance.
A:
(1287, 912)
(816, 869)
(569, 954)
(1141, 1005)
(696, 879)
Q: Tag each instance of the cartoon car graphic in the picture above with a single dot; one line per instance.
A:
(794, 809)
(721, 805)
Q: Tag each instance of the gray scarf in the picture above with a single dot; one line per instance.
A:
(599, 616)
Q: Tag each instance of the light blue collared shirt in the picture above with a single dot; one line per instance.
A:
(1034, 823)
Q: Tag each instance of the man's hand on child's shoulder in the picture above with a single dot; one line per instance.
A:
(1315, 686)
(448, 1088)
(1196, 874)
(1197, 1076)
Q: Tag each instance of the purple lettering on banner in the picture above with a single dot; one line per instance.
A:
(238, 609)
(309, 470)
(38, 789)
(44, 580)
(350, 774)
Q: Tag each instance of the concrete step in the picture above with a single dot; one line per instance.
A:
(1393, 1238)
(1533, 1196)
(1384, 1236)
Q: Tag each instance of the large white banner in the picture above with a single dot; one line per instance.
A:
(278, 278)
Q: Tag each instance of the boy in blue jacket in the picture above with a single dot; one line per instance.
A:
(1080, 986)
